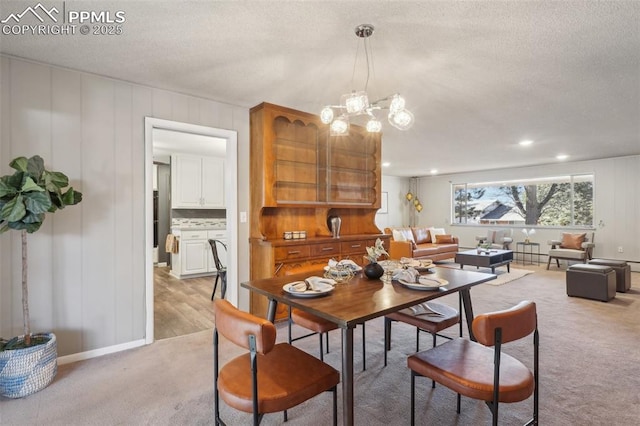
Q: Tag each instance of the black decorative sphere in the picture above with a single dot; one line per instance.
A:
(373, 271)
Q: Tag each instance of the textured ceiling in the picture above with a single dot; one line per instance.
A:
(479, 76)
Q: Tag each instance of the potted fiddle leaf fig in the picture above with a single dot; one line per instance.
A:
(28, 363)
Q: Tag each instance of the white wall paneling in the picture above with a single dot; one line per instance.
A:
(87, 265)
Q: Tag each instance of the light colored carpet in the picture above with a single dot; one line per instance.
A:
(507, 277)
(588, 373)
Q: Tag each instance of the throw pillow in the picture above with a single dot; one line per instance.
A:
(444, 239)
(435, 232)
(572, 241)
(398, 236)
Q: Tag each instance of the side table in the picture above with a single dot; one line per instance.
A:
(524, 252)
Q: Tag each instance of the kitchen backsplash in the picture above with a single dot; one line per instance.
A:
(191, 222)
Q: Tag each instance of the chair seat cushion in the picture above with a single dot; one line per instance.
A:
(312, 322)
(431, 324)
(466, 367)
(568, 253)
(287, 376)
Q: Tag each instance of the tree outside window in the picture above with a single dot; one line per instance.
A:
(557, 201)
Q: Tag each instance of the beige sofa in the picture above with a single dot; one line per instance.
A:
(418, 243)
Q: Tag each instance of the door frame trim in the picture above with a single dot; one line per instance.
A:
(231, 202)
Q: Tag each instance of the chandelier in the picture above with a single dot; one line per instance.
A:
(357, 103)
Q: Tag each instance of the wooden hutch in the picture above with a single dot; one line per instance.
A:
(299, 177)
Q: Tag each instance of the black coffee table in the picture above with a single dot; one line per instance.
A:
(485, 259)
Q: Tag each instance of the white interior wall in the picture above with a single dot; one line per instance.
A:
(397, 206)
(616, 204)
(86, 264)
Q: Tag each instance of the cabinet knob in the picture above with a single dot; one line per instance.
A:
(356, 245)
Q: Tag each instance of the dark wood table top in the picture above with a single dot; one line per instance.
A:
(362, 299)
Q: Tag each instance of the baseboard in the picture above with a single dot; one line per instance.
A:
(81, 356)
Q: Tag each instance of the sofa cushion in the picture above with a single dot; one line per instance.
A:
(498, 236)
(490, 236)
(435, 232)
(421, 235)
(398, 235)
(442, 239)
(425, 250)
(572, 241)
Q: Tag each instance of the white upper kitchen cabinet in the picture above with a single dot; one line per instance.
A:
(197, 182)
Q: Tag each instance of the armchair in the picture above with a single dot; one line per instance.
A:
(498, 239)
(576, 247)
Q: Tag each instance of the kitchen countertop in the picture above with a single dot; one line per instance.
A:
(199, 224)
(198, 228)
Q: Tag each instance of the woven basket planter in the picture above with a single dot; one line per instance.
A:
(26, 371)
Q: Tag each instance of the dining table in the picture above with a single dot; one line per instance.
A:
(361, 299)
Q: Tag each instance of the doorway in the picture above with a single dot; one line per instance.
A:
(190, 135)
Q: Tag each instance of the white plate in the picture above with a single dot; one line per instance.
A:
(425, 283)
(320, 289)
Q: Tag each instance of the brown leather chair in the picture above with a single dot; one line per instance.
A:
(431, 324)
(271, 377)
(313, 322)
(477, 371)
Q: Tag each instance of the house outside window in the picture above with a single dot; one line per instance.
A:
(560, 201)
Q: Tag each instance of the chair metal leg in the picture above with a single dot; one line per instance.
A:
(458, 404)
(215, 286)
(413, 398)
(335, 405)
(321, 348)
(548, 263)
(364, 353)
(387, 338)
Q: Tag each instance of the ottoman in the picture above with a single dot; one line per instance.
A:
(591, 282)
(622, 270)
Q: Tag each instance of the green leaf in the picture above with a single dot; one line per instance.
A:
(35, 166)
(29, 185)
(37, 202)
(71, 197)
(55, 180)
(20, 164)
(6, 188)
(30, 227)
(14, 210)
(33, 218)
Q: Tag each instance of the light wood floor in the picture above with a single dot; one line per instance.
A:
(181, 306)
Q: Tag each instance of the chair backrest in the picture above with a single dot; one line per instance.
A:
(516, 323)
(237, 326)
(214, 251)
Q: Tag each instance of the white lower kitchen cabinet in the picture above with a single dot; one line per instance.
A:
(194, 258)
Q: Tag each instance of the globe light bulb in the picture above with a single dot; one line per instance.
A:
(326, 115)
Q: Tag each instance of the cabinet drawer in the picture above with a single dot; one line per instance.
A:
(326, 249)
(293, 252)
(216, 235)
(193, 235)
(355, 247)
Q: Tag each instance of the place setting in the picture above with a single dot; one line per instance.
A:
(411, 278)
(310, 287)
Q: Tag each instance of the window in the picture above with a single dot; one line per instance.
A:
(555, 201)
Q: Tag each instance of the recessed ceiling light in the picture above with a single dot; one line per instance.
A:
(386, 164)
(562, 156)
(434, 171)
(526, 142)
